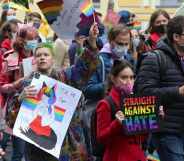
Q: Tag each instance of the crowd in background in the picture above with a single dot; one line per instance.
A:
(101, 62)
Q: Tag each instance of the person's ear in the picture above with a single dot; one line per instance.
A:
(112, 78)
(176, 37)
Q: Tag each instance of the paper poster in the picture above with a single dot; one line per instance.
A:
(62, 15)
(140, 115)
(28, 65)
(44, 119)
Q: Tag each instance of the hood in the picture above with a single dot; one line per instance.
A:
(165, 45)
(106, 48)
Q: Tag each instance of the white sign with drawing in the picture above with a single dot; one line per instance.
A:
(44, 119)
(66, 24)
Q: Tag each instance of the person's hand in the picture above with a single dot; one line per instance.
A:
(80, 40)
(94, 31)
(120, 116)
(29, 91)
(2, 153)
(181, 90)
(161, 112)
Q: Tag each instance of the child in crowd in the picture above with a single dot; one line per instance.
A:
(110, 132)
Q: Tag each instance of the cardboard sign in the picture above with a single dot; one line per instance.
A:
(140, 114)
(43, 120)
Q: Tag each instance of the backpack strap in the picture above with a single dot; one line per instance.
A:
(162, 61)
(103, 68)
(112, 106)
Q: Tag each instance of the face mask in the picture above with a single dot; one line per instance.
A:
(31, 45)
(119, 51)
(125, 89)
(161, 29)
(136, 42)
(8, 18)
(36, 25)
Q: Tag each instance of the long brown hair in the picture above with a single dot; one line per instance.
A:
(117, 67)
(154, 16)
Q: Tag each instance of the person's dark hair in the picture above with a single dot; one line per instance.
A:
(175, 26)
(5, 30)
(117, 67)
(34, 14)
(29, 16)
(3, 17)
(154, 16)
(116, 30)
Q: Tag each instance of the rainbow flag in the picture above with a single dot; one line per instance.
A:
(87, 8)
(59, 113)
(153, 157)
(51, 9)
(30, 103)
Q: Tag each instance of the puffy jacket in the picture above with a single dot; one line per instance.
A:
(95, 87)
(149, 81)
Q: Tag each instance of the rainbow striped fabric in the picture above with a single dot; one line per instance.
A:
(51, 9)
(30, 103)
(59, 113)
(87, 8)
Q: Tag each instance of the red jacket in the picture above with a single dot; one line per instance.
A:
(118, 146)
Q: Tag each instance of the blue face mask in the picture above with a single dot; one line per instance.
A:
(8, 18)
(31, 45)
(119, 51)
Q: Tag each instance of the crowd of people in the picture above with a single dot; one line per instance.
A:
(127, 61)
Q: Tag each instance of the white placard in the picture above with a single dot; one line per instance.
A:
(44, 120)
(66, 24)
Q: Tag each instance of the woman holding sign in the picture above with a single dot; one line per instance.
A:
(110, 131)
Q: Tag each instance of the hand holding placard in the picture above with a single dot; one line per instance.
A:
(140, 114)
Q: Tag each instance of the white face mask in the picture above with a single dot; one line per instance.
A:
(14, 36)
(11, 17)
(120, 51)
(136, 42)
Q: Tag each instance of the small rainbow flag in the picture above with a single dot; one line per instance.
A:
(30, 103)
(51, 9)
(87, 8)
(59, 113)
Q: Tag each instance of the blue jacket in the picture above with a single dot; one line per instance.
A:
(95, 87)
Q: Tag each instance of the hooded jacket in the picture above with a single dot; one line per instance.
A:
(149, 81)
(95, 87)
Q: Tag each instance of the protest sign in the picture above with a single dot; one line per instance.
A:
(140, 114)
(62, 17)
(43, 120)
(29, 65)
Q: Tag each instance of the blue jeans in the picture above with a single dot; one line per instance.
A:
(171, 147)
(18, 148)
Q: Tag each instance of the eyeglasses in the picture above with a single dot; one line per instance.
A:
(122, 44)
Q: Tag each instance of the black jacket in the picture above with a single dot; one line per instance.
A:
(149, 81)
